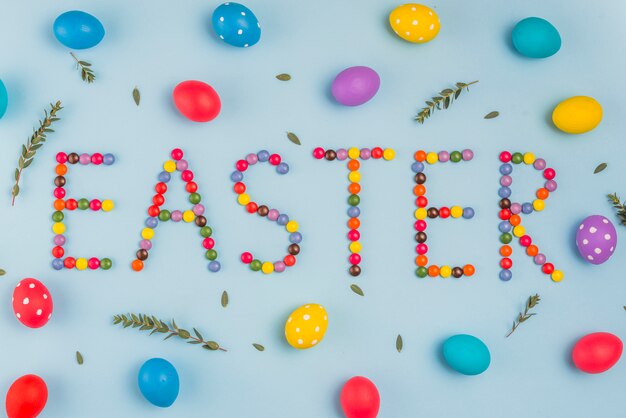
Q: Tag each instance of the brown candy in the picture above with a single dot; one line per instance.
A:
(263, 210)
(200, 221)
(505, 203)
(355, 270)
(59, 181)
(142, 254)
(73, 158)
(420, 178)
(432, 212)
(330, 155)
(421, 237)
(294, 249)
(457, 272)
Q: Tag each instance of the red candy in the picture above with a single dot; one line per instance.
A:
(421, 249)
(359, 398)
(26, 397)
(505, 214)
(58, 252)
(505, 156)
(239, 187)
(525, 241)
(186, 175)
(241, 165)
(421, 201)
(97, 158)
(354, 235)
(197, 101)
(59, 192)
(95, 205)
(69, 262)
(597, 352)
(208, 243)
(71, 204)
(32, 303)
(274, 159)
(93, 263)
(354, 258)
(549, 173)
(319, 153)
(506, 263)
(158, 199)
(547, 268)
(61, 158)
(191, 187)
(444, 212)
(246, 258)
(289, 260)
(377, 152)
(420, 225)
(252, 207)
(177, 154)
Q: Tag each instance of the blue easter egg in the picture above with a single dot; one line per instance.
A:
(78, 30)
(534, 37)
(158, 382)
(4, 99)
(236, 25)
(466, 354)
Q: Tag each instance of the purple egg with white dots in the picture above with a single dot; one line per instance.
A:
(236, 25)
(596, 239)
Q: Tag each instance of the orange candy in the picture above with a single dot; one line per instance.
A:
(354, 188)
(419, 190)
(506, 250)
(354, 223)
(137, 265)
(542, 193)
(421, 260)
(433, 271)
(61, 169)
(515, 220)
(420, 156)
(59, 204)
(353, 165)
(468, 270)
(532, 250)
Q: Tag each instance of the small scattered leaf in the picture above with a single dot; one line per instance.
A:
(399, 343)
(79, 358)
(600, 168)
(492, 115)
(356, 289)
(224, 299)
(293, 138)
(136, 96)
(283, 77)
(258, 347)
(2, 272)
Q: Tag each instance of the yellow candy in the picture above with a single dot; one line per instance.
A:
(445, 271)
(58, 228)
(147, 233)
(432, 158)
(188, 216)
(169, 166)
(421, 213)
(519, 231)
(529, 158)
(243, 199)
(577, 115)
(306, 326)
(354, 153)
(415, 23)
(539, 205)
(292, 226)
(557, 275)
(81, 263)
(389, 154)
(354, 176)
(355, 247)
(267, 267)
(456, 211)
(107, 205)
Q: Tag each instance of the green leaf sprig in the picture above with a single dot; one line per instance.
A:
(86, 72)
(619, 207)
(151, 322)
(522, 317)
(35, 142)
(442, 101)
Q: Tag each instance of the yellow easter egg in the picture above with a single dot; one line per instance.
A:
(306, 326)
(415, 23)
(577, 115)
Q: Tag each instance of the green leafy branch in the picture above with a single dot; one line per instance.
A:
(619, 207)
(35, 142)
(86, 72)
(442, 101)
(522, 317)
(148, 322)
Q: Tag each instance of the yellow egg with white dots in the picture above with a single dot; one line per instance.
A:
(415, 23)
(306, 326)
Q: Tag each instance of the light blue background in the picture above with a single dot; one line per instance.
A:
(155, 45)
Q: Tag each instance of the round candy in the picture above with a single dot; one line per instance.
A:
(534, 37)
(466, 354)
(359, 398)
(26, 397)
(577, 115)
(4, 99)
(355, 86)
(596, 239)
(306, 326)
(197, 101)
(158, 382)
(597, 352)
(415, 23)
(78, 30)
(32, 303)
(236, 25)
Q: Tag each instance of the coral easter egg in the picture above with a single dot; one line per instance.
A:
(355, 86)
(577, 115)
(78, 30)
(158, 382)
(4, 99)
(596, 239)
(197, 101)
(32, 303)
(360, 398)
(534, 37)
(236, 25)
(415, 23)
(597, 352)
(26, 397)
(466, 354)
(306, 326)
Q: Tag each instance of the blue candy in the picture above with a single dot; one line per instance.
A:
(534, 37)
(236, 25)
(78, 30)
(158, 382)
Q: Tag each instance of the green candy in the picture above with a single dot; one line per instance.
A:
(106, 263)
(211, 255)
(421, 272)
(206, 231)
(354, 200)
(255, 265)
(83, 204)
(165, 215)
(517, 158)
(195, 198)
(506, 238)
(456, 156)
(57, 216)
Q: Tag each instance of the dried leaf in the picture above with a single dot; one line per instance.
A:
(283, 77)
(258, 347)
(399, 343)
(2, 272)
(79, 358)
(492, 115)
(224, 299)
(356, 289)
(600, 168)
(293, 138)
(136, 96)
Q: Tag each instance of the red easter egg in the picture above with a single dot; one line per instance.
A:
(26, 397)
(360, 398)
(197, 101)
(32, 303)
(597, 352)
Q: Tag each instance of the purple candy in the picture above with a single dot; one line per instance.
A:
(354, 211)
(214, 266)
(596, 239)
(540, 259)
(366, 153)
(295, 238)
(252, 159)
(444, 156)
(84, 159)
(181, 165)
(550, 185)
(145, 244)
(467, 154)
(176, 216)
(57, 264)
(59, 240)
(342, 154)
(506, 180)
(516, 208)
(355, 86)
(273, 214)
(539, 164)
(279, 267)
(198, 209)
(152, 222)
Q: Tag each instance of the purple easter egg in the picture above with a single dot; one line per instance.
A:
(355, 86)
(596, 239)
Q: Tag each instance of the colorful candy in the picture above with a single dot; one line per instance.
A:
(62, 203)
(354, 176)
(157, 214)
(32, 303)
(424, 269)
(244, 199)
(510, 213)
